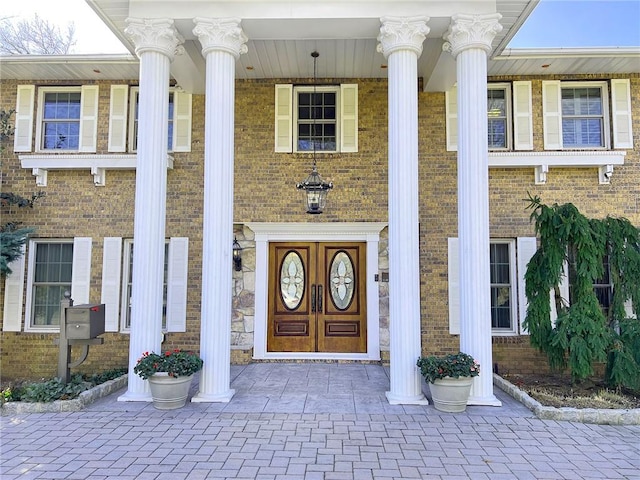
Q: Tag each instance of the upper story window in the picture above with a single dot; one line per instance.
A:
(316, 118)
(499, 116)
(583, 116)
(133, 134)
(61, 120)
(324, 116)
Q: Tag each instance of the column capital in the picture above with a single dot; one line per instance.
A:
(155, 34)
(402, 33)
(220, 34)
(471, 31)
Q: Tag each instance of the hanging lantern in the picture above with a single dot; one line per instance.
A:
(314, 188)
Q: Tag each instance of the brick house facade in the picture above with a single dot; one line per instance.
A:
(92, 207)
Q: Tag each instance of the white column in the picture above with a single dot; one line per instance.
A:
(401, 43)
(469, 41)
(156, 43)
(222, 43)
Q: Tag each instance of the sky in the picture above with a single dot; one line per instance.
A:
(554, 23)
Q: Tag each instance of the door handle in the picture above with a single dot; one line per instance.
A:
(313, 297)
(320, 298)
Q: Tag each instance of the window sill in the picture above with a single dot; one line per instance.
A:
(541, 161)
(97, 164)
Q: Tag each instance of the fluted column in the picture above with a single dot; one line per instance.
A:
(156, 44)
(401, 43)
(223, 41)
(469, 41)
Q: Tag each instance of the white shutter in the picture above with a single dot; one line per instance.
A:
(453, 271)
(284, 118)
(349, 117)
(81, 270)
(526, 248)
(110, 295)
(451, 126)
(181, 122)
(628, 308)
(118, 118)
(13, 290)
(522, 116)
(552, 114)
(177, 277)
(23, 135)
(88, 118)
(621, 113)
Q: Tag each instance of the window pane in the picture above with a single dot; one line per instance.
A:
(500, 271)
(52, 277)
(582, 117)
(317, 125)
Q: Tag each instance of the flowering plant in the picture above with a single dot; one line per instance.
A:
(452, 365)
(176, 363)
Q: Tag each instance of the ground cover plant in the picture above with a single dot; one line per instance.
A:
(54, 389)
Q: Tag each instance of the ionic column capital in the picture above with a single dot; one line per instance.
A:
(471, 31)
(220, 34)
(156, 35)
(402, 33)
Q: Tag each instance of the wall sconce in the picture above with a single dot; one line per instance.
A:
(237, 255)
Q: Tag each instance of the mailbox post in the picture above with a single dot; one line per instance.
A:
(79, 325)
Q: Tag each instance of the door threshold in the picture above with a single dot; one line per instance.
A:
(279, 356)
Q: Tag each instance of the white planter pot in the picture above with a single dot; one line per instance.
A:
(451, 394)
(168, 392)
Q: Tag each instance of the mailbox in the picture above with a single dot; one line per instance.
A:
(84, 322)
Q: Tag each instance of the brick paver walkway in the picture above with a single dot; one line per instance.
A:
(311, 421)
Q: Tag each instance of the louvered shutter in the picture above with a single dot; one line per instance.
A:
(621, 113)
(526, 248)
(181, 122)
(118, 118)
(88, 118)
(564, 293)
(177, 277)
(451, 125)
(453, 265)
(552, 114)
(522, 116)
(23, 134)
(284, 118)
(13, 295)
(349, 118)
(110, 295)
(81, 273)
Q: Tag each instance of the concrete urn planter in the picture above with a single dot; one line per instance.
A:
(167, 392)
(451, 394)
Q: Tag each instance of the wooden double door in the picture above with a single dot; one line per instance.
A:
(317, 297)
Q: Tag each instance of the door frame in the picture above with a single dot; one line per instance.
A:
(368, 232)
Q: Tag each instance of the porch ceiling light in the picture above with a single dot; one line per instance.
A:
(314, 188)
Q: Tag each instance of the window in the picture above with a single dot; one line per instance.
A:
(316, 119)
(52, 271)
(503, 272)
(583, 117)
(499, 114)
(602, 287)
(324, 116)
(133, 134)
(508, 260)
(61, 121)
(67, 119)
(126, 287)
(576, 114)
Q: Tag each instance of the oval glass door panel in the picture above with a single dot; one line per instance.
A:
(292, 280)
(342, 280)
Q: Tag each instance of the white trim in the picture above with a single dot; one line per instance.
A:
(40, 114)
(506, 88)
(513, 288)
(40, 164)
(317, 232)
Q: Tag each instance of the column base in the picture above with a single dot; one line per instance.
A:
(135, 397)
(489, 401)
(395, 399)
(224, 397)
